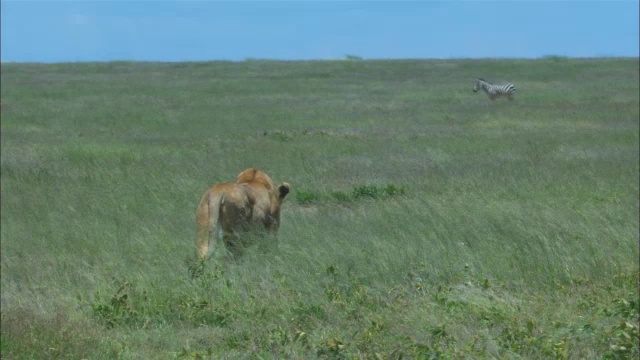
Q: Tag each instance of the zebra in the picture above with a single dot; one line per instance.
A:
(494, 91)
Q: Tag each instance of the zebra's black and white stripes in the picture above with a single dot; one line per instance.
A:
(495, 91)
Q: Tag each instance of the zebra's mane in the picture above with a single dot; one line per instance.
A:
(481, 79)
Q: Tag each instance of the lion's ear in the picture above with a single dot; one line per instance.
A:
(284, 190)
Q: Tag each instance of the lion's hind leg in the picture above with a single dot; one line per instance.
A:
(207, 218)
(202, 227)
(235, 219)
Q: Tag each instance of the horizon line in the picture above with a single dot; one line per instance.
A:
(346, 58)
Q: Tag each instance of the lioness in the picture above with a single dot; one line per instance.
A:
(250, 203)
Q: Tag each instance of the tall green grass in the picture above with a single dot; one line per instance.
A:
(424, 221)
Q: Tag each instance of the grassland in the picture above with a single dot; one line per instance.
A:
(424, 221)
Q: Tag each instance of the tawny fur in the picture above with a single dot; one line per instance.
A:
(252, 203)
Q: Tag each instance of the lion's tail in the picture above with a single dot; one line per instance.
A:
(207, 217)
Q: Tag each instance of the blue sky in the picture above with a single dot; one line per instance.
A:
(61, 31)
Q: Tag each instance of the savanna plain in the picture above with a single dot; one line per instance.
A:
(424, 221)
